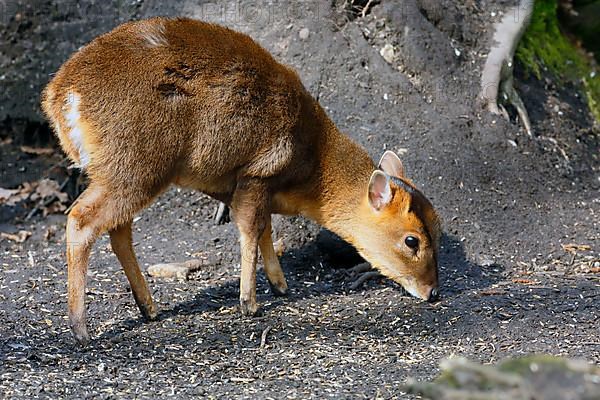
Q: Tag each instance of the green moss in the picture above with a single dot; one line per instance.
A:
(592, 92)
(522, 365)
(544, 47)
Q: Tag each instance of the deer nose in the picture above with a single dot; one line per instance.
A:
(433, 295)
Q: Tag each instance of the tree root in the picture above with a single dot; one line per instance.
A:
(497, 75)
(365, 272)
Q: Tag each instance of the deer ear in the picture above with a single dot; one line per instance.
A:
(380, 192)
(390, 164)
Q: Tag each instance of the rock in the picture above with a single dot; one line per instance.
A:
(304, 32)
(388, 53)
(525, 378)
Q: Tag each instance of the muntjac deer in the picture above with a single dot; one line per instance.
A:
(178, 101)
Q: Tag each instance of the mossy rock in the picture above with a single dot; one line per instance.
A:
(583, 21)
(536, 377)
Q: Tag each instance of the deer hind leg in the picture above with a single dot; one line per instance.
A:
(84, 225)
(249, 207)
(271, 262)
(121, 243)
(97, 210)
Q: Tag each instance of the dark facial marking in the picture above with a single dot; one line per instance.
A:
(418, 203)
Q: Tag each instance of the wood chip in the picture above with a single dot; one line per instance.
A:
(491, 292)
(525, 281)
(572, 247)
(38, 151)
(19, 237)
(179, 270)
(242, 380)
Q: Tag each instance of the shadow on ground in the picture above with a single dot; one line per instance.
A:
(309, 284)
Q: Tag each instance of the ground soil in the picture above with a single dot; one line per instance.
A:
(510, 205)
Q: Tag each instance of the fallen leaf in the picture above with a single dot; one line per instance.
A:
(6, 194)
(29, 186)
(47, 188)
(39, 151)
(54, 208)
(19, 237)
(11, 197)
(50, 232)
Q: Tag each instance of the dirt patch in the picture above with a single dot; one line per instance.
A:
(509, 204)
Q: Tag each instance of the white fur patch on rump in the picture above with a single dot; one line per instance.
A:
(75, 132)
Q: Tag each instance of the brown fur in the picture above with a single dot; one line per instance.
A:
(177, 101)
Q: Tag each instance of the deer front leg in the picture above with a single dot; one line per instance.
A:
(121, 243)
(248, 304)
(273, 269)
(249, 206)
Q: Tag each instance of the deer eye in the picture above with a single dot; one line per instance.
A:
(411, 242)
